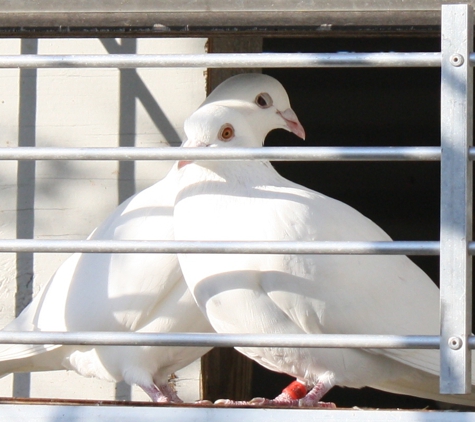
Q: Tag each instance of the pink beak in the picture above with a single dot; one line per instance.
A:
(292, 122)
(190, 143)
(183, 163)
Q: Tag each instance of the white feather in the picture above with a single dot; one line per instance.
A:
(116, 292)
(130, 292)
(337, 294)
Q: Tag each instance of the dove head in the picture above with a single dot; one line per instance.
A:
(266, 96)
(221, 125)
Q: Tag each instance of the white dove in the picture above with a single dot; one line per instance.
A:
(296, 294)
(132, 292)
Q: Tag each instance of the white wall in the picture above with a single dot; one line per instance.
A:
(67, 199)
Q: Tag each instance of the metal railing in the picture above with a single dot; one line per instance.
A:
(229, 247)
(126, 61)
(456, 152)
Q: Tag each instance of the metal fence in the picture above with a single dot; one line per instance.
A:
(456, 60)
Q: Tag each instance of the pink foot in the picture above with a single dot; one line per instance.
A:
(285, 400)
(203, 403)
(258, 401)
(227, 402)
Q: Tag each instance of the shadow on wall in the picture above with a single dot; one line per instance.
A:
(25, 221)
(132, 88)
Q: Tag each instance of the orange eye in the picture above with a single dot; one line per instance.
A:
(226, 133)
(264, 100)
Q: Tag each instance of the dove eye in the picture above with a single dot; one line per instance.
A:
(264, 100)
(226, 133)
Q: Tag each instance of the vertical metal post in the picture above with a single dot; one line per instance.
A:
(26, 182)
(456, 198)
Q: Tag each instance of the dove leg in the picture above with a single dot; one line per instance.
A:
(312, 399)
(294, 395)
(162, 394)
(170, 393)
(289, 397)
(322, 387)
(155, 394)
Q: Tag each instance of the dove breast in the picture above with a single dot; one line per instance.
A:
(283, 293)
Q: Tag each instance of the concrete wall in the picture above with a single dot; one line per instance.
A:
(67, 199)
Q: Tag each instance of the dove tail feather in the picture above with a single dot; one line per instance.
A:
(27, 358)
(21, 351)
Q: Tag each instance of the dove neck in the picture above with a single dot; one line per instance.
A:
(242, 172)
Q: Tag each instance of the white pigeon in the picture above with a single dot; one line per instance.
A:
(132, 292)
(296, 294)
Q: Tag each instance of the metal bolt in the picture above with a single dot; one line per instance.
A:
(455, 343)
(456, 60)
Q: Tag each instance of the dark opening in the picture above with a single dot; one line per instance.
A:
(365, 107)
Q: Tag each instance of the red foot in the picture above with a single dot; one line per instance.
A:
(295, 395)
(296, 390)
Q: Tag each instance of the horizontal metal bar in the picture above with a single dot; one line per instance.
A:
(264, 247)
(245, 60)
(119, 412)
(267, 153)
(222, 340)
(210, 6)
